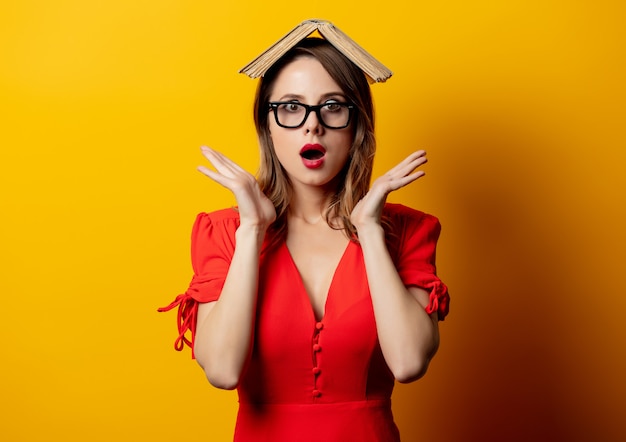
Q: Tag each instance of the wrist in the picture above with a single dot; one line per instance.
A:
(250, 232)
(369, 231)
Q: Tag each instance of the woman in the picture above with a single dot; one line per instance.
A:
(314, 295)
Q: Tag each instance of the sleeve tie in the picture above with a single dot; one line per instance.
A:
(438, 299)
(186, 319)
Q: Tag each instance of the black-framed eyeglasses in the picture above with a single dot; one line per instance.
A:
(331, 115)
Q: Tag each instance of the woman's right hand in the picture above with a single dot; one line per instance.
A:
(221, 349)
(255, 209)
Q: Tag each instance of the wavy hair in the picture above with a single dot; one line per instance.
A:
(354, 179)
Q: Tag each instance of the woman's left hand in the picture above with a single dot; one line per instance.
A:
(368, 211)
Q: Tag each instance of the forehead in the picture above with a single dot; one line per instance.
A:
(304, 77)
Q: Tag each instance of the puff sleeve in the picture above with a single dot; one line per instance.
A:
(415, 243)
(212, 248)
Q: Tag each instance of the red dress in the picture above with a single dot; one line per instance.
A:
(313, 379)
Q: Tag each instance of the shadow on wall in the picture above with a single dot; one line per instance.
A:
(514, 362)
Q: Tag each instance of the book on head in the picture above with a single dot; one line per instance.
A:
(373, 69)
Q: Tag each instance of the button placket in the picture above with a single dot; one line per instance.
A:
(317, 348)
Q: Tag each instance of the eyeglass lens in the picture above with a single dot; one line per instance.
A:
(332, 115)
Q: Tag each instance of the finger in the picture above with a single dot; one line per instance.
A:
(216, 176)
(388, 183)
(214, 157)
(418, 158)
(406, 169)
(412, 161)
(406, 180)
(235, 185)
(416, 154)
(221, 157)
(413, 157)
(220, 162)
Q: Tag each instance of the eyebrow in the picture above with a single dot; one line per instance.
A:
(297, 97)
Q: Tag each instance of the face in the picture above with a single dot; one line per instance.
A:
(312, 155)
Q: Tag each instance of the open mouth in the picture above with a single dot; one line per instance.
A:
(312, 152)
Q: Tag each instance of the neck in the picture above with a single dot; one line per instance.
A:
(309, 204)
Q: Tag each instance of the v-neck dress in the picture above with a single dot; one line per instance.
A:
(308, 379)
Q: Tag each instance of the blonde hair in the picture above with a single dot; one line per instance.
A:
(354, 179)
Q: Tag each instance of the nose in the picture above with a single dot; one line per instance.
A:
(312, 123)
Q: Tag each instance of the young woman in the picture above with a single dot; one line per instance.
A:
(314, 295)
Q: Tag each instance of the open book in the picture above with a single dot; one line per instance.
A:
(374, 70)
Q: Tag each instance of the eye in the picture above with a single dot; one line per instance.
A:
(333, 106)
(290, 107)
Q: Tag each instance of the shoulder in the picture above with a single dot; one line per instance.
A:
(220, 216)
(402, 218)
(218, 224)
(409, 230)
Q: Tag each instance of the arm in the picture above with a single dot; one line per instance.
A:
(408, 336)
(225, 328)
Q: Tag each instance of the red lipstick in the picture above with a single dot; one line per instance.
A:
(312, 155)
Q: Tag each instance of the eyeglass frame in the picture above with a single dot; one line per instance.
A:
(273, 105)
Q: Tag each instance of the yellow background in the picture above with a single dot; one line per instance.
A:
(520, 105)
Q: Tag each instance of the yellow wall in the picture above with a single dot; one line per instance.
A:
(104, 105)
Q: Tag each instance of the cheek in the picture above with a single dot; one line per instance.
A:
(281, 144)
(348, 141)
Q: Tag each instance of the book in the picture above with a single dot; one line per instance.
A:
(373, 69)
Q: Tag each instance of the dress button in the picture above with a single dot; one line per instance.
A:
(317, 347)
(317, 393)
(317, 370)
(319, 325)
